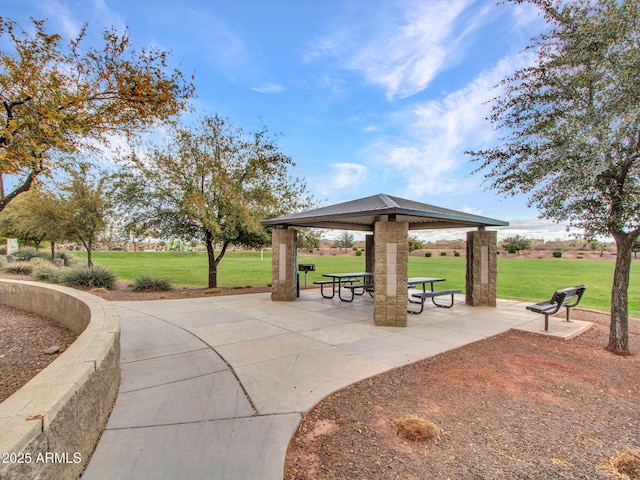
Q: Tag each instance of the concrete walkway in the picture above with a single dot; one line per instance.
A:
(214, 388)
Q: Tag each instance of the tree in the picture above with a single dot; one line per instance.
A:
(345, 240)
(211, 183)
(22, 220)
(516, 243)
(85, 207)
(635, 248)
(571, 131)
(60, 99)
(415, 243)
(34, 216)
(308, 239)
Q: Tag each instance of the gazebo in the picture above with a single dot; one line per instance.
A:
(389, 219)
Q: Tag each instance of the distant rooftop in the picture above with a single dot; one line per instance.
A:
(362, 214)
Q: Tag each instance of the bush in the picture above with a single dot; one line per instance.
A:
(48, 274)
(19, 268)
(150, 284)
(456, 253)
(427, 254)
(358, 253)
(85, 277)
(557, 254)
(68, 258)
(443, 254)
(28, 254)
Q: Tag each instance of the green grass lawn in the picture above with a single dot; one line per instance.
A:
(533, 280)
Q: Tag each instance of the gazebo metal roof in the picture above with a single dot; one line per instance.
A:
(362, 214)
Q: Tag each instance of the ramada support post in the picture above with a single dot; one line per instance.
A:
(391, 274)
(284, 247)
(482, 268)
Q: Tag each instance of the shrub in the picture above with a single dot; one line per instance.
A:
(37, 261)
(19, 268)
(456, 253)
(27, 254)
(85, 277)
(68, 258)
(427, 254)
(150, 284)
(48, 274)
(443, 254)
(557, 254)
(358, 253)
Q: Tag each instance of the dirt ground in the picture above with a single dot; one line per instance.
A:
(516, 406)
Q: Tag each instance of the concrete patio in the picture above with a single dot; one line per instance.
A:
(214, 388)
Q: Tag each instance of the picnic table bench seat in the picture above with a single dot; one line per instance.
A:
(565, 297)
(422, 296)
(322, 284)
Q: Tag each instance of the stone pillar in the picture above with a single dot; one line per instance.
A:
(284, 246)
(482, 268)
(391, 260)
(369, 254)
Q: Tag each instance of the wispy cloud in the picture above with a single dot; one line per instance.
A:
(402, 47)
(69, 24)
(429, 156)
(340, 176)
(269, 88)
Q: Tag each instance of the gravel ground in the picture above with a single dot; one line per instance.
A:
(516, 406)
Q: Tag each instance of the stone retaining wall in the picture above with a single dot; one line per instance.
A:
(49, 428)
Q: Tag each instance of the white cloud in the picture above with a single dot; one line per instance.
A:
(339, 176)
(269, 88)
(402, 46)
(537, 229)
(429, 156)
(346, 175)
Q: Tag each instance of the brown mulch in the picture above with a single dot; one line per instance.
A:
(24, 336)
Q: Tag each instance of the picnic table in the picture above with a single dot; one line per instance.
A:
(415, 281)
(355, 281)
(359, 282)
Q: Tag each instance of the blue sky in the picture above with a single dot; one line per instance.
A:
(371, 96)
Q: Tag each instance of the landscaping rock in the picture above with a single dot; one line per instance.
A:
(52, 350)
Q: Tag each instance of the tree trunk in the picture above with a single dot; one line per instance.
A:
(89, 247)
(213, 260)
(619, 328)
(213, 265)
(53, 252)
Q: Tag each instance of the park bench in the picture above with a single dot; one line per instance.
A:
(422, 296)
(566, 297)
